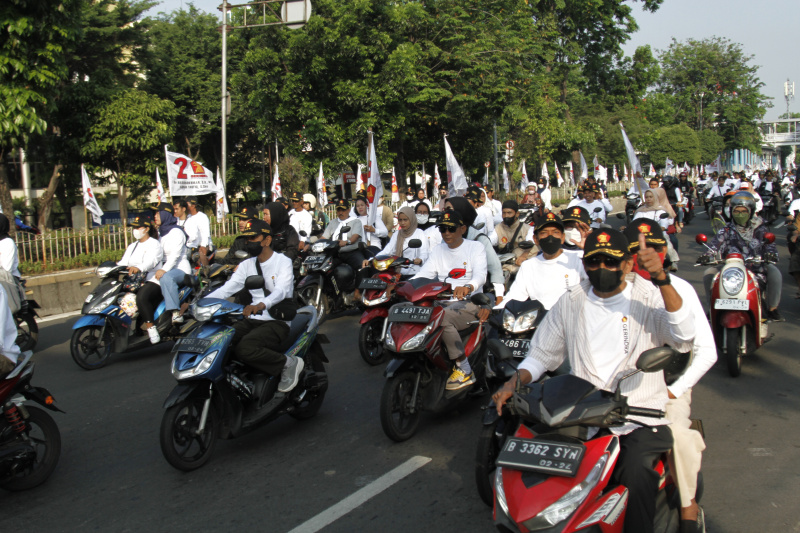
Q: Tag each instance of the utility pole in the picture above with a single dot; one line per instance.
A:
(496, 161)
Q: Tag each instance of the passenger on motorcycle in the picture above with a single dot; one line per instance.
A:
(396, 246)
(299, 218)
(144, 256)
(374, 233)
(675, 197)
(176, 265)
(744, 234)
(494, 205)
(198, 231)
(543, 190)
(318, 217)
(349, 251)
(508, 235)
(576, 227)
(732, 182)
(530, 194)
(285, 239)
(687, 450)
(239, 243)
(591, 201)
(442, 197)
(655, 205)
(9, 351)
(456, 252)
(256, 334)
(718, 189)
(602, 326)
(473, 196)
(9, 257)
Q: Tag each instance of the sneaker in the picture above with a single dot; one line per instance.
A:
(775, 316)
(459, 380)
(291, 373)
(177, 317)
(155, 338)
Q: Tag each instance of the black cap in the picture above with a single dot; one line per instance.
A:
(550, 219)
(256, 227)
(653, 234)
(473, 193)
(576, 214)
(443, 187)
(451, 219)
(488, 188)
(191, 200)
(295, 197)
(608, 242)
(411, 190)
(361, 195)
(141, 222)
(511, 204)
(247, 212)
(163, 206)
(342, 203)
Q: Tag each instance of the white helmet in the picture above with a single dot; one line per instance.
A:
(310, 199)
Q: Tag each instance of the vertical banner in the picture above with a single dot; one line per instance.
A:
(374, 185)
(89, 201)
(523, 183)
(456, 179)
(275, 188)
(162, 195)
(222, 203)
(395, 189)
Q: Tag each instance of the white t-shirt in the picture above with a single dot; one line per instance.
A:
(8, 330)
(374, 238)
(488, 223)
(198, 228)
(605, 322)
(410, 253)
(434, 237)
(590, 207)
(470, 255)
(174, 246)
(9, 258)
(656, 216)
(301, 221)
(497, 210)
(147, 256)
(546, 280)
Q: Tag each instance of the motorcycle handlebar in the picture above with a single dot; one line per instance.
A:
(643, 411)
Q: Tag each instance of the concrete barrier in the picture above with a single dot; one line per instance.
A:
(62, 292)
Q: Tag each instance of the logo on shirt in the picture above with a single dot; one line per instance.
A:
(626, 339)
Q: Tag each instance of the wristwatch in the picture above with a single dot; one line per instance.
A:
(661, 283)
(470, 288)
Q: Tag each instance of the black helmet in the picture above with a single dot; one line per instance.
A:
(743, 198)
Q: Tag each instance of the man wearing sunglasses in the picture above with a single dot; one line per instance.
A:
(475, 198)
(602, 326)
(456, 252)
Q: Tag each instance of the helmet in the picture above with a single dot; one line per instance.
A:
(17, 213)
(745, 199)
(310, 199)
(345, 276)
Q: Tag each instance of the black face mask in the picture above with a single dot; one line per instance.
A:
(253, 248)
(604, 280)
(509, 221)
(550, 244)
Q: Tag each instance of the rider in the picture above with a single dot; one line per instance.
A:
(374, 233)
(239, 243)
(508, 235)
(744, 234)
(718, 189)
(688, 447)
(349, 251)
(145, 254)
(9, 351)
(456, 252)
(544, 192)
(318, 217)
(198, 230)
(686, 189)
(299, 218)
(255, 336)
(474, 195)
(408, 230)
(674, 196)
(495, 205)
(591, 202)
(175, 266)
(576, 222)
(602, 326)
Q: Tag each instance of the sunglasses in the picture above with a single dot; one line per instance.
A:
(447, 229)
(596, 261)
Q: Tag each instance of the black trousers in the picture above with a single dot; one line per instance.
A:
(147, 299)
(639, 451)
(254, 342)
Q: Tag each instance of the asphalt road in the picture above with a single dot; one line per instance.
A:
(112, 476)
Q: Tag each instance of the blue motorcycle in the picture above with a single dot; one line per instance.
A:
(105, 328)
(215, 395)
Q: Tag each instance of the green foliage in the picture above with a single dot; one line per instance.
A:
(29, 268)
(711, 144)
(678, 143)
(293, 177)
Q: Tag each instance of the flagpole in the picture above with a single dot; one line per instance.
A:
(86, 227)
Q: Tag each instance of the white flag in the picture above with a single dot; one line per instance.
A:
(652, 170)
(601, 173)
(322, 193)
(614, 174)
(686, 167)
(89, 201)
(437, 181)
(571, 174)
(456, 179)
(624, 171)
(162, 196)
(559, 179)
(714, 167)
(546, 174)
(595, 162)
(275, 189)
(669, 166)
(584, 169)
(632, 159)
(523, 183)
(395, 189)
(374, 185)
(187, 177)
(486, 177)
(506, 186)
(222, 203)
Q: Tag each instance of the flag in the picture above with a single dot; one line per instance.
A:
(506, 186)
(361, 177)
(686, 167)
(523, 183)
(601, 173)
(395, 190)
(275, 189)
(322, 193)
(456, 180)
(559, 179)
(632, 159)
(652, 170)
(222, 204)
(571, 174)
(374, 185)
(584, 169)
(162, 196)
(595, 162)
(713, 167)
(187, 177)
(546, 174)
(669, 166)
(614, 173)
(89, 201)
(486, 177)
(437, 181)
(624, 171)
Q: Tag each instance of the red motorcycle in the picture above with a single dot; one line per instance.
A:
(551, 475)
(30, 443)
(417, 375)
(736, 310)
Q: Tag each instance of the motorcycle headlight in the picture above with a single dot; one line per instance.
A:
(204, 313)
(318, 247)
(202, 365)
(416, 341)
(568, 503)
(508, 320)
(383, 264)
(733, 280)
(388, 340)
(377, 301)
(520, 324)
(102, 304)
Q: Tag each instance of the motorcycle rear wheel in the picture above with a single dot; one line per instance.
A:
(733, 355)
(312, 401)
(88, 350)
(181, 446)
(308, 296)
(488, 450)
(397, 420)
(370, 344)
(27, 332)
(46, 439)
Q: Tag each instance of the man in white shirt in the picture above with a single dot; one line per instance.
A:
(181, 208)
(9, 351)
(687, 450)
(473, 196)
(591, 202)
(258, 332)
(455, 252)
(300, 219)
(198, 230)
(717, 189)
(603, 326)
(495, 205)
(732, 182)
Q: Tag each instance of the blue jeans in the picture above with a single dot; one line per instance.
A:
(169, 288)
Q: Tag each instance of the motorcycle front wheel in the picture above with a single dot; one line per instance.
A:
(489, 445)
(308, 296)
(90, 351)
(370, 343)
(399, 418)
(182, 447)
(43, 434)
(27, 332)
(733, 351)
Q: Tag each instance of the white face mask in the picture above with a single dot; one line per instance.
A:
(572, 234)
(409, 197)
(138, 233)
(422, 219)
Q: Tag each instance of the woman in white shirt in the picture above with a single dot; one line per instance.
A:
(397, 245)
(9, 259)
(144, 255)
(171, 273)
(655, 205)
(373, 233)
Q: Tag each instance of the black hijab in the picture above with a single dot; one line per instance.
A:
(5, 227)
(278, 216)
(465, 209)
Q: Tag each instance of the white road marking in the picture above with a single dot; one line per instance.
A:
(57, 317)
(356, 499)
(760, 452)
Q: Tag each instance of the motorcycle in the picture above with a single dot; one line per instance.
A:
(736, 312)
(509, 258)
(30, 442)
(377, 297)
(548, 473)
(512, 329)
(105, 328)
(215, 396)
(27, 328)
(633, 201)
(416, 377)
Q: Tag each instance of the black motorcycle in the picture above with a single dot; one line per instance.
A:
(27, 328)
(632, 203)
(512, 329)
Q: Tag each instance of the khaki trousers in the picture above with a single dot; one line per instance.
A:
(687, 450)
(457, 316)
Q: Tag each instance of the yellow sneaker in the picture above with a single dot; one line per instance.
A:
(459, 380)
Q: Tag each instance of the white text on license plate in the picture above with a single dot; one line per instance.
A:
(732, 305)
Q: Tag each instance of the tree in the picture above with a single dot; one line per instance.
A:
(678, 143)
(711, 144)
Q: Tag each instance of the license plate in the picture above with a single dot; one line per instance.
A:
(732, 305)
(314, 260)
(411, 313)
(519, 347)
(372, 283)
(192, 345)
(539, 455)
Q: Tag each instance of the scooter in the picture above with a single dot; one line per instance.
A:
(550, 475)
(512, 329)
(416, 377)
(30, 442)
(27, 328)
(633, 201)
(736, 313)
(105, 328)
(215, 396)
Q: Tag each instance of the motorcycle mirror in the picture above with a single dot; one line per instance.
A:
(656, 359)
(769, 237)
(479, 225)
(480, 299)
(254, 282)
(701, 238)
(240, 254)
(526, 245)
(414, 243)
(621, 216)
(303, 233)
(344, 229)
(597, 209)
(457, 273)
(664, 215)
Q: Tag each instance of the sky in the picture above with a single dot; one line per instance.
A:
(766, 30)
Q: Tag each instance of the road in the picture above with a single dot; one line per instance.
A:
(112, 476)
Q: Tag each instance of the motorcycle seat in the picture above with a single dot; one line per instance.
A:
(296, 328)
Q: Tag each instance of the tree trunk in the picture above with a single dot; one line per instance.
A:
(46, 202)
(5, 195)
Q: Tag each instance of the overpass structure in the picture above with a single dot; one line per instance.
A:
(781, 132)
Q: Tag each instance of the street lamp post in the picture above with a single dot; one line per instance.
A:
(702, 94)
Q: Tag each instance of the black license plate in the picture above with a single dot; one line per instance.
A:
(372, 283)
(539, 455)
(314, 260)
(411, 313)
(519, 347)
(192, 345)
